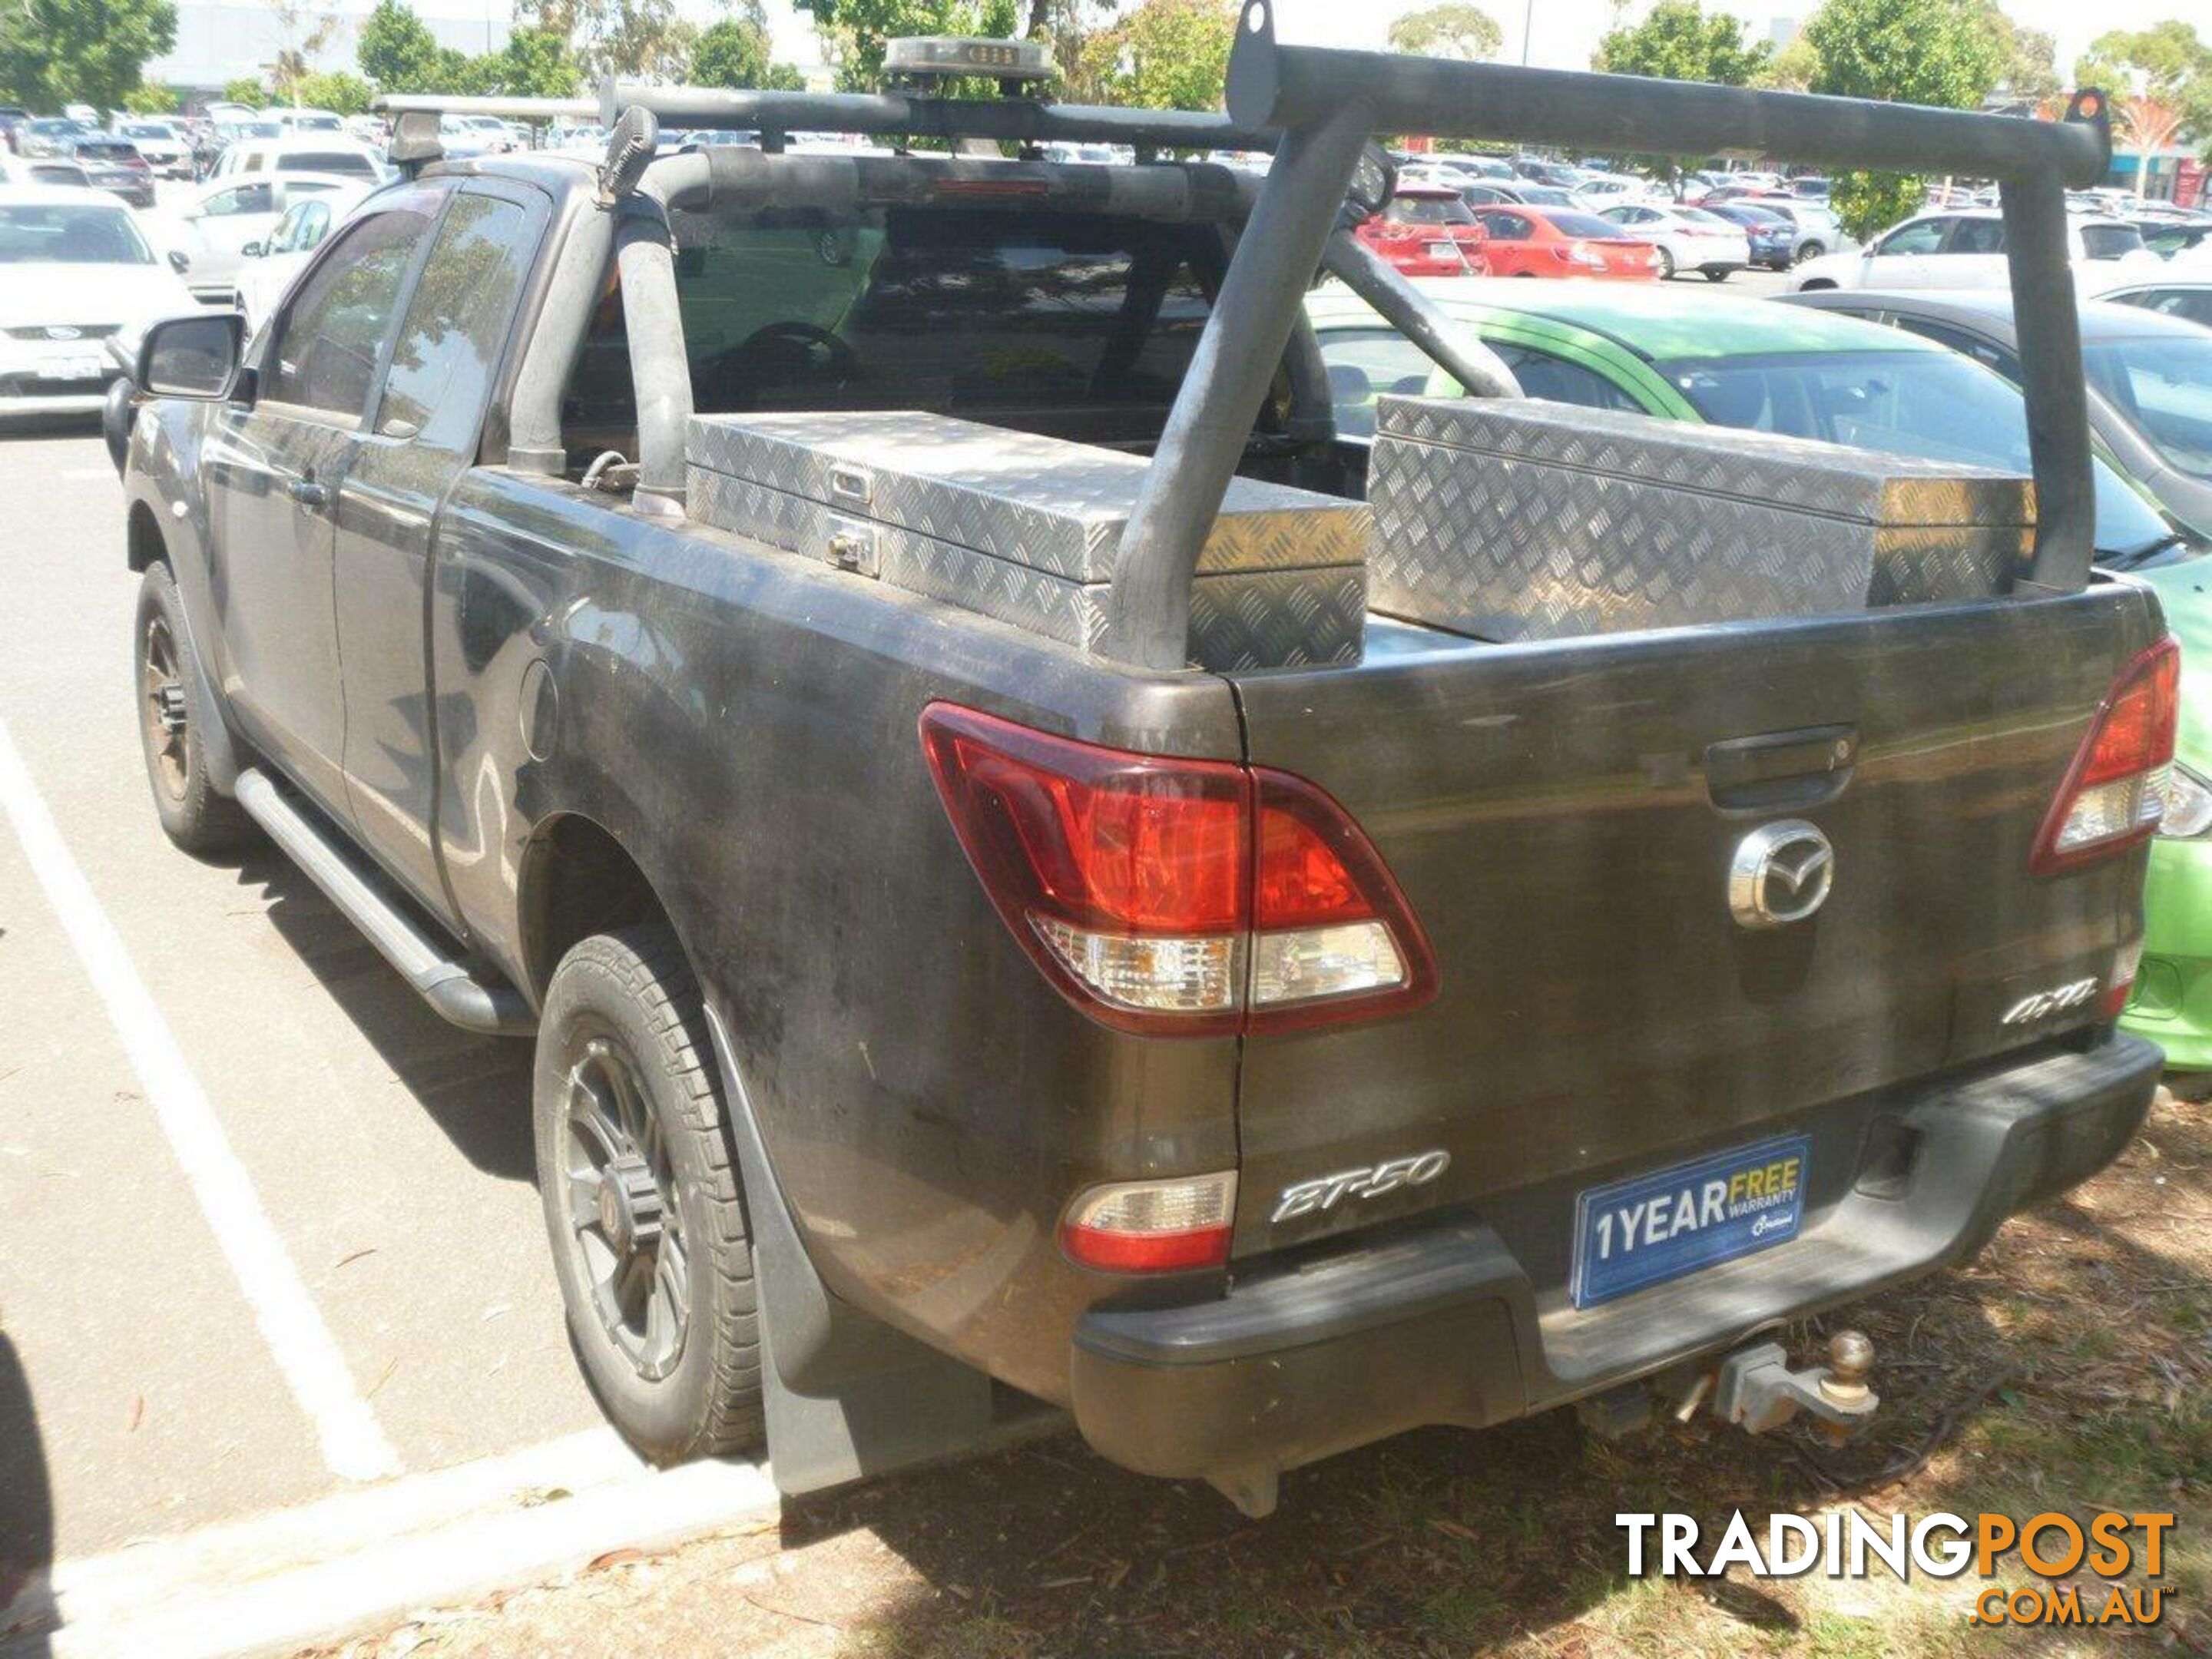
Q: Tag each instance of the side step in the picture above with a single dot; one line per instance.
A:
(443, 981)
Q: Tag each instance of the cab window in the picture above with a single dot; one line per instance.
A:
(1977, 236)
(243, 198)
(333, 332)
(449, 345)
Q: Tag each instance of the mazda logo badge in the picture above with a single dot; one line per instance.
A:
(1781, 873)
(63, 331)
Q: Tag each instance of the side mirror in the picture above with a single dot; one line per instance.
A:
(194, 357)
(179, 261)
(251, 251)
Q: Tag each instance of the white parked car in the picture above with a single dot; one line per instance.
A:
(307, 121)
(1966, 250)
(304, 152)
(1688, 239)
(161, 143)
(1605, 190)
(82, 283)
(268, 267)
(219, 219)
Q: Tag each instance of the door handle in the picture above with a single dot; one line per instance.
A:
(309, 493)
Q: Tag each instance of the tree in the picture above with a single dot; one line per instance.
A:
(1791, 69)
(398, 50)
(1166, 54)
(1915, 52)
(247, 90)
(336, 91)
(1677, 41)
(734, 52)
(1447, 31)
(150, 100)
(534, 64)
(92, 51)
(853, 31)
(634, 39)
(303, 29)
(2027, 59)
(2168, 63)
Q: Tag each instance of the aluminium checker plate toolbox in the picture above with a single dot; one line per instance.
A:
(1025, 529)
(1523, 520)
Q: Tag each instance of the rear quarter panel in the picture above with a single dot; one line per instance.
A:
(744, 723)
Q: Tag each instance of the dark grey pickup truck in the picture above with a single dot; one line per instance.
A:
(1038, 872)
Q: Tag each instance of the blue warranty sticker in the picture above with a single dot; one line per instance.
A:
(1651, 1228)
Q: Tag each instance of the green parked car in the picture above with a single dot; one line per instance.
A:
(1816, 374)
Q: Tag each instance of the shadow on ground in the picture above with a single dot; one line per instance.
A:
(26, 1511)
(475, 1088)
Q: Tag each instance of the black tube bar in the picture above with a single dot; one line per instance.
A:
(2047, 324)
(1250, 323)
(1481, 371)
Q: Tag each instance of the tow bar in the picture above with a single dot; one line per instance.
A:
(1754, 1388)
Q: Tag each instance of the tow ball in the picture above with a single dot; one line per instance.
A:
(1754, 1388)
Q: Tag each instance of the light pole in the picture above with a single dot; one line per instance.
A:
(1528, 23)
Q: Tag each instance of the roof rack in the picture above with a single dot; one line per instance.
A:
(1327, 102)
(506, 109)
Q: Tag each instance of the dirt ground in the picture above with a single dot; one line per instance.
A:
(2070, 1368)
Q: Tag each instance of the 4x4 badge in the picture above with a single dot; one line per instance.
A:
(1781, 873)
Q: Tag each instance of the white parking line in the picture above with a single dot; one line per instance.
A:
(353, 1441)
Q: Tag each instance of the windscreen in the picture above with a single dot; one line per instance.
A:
(1075, 325)
(1584, 224)
(348, 163)
(1931, 403)
(64, 233)
(2111, 241)
(1428, 210)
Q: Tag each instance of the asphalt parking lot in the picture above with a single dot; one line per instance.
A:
(165, 1384)
(270, 1230)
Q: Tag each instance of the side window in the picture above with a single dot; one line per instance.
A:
(314, 224)
(1364, 363)
(1921, 236)
(332, 332)
(449, 344)
(1977, 236)
(1508, 227)
(1988, 355)
(1543, 375)
(286, 236)
(245, 198)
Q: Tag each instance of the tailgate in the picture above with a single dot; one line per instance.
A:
(1562, 817)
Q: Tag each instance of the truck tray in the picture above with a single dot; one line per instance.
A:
(1026, 529)
(1527, 520)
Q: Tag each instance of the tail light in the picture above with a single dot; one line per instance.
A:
(2120, 981)
(1153, 1226)
(2115, 791)
(1176, 897)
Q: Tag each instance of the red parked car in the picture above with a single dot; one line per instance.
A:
(1428, 231)
(1538, 241)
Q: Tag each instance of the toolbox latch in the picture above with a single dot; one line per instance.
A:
(852, 545)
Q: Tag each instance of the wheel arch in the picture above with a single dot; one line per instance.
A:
(577, 879)
(144, 543)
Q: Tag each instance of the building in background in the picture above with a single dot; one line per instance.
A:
(219, 41)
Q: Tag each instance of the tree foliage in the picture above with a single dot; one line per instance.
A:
(398, 50)
(1916, 51)
(92, 51)
(533, 64)
(635, 39)
(150, 100)
(1447, 31)
(2168, 64)
(2027, 59)
(1166, 54)
(336, 91)
(734, 52)
(1677, 41)
(248, 90)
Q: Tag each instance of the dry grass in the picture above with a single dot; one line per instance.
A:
(2070, 1368)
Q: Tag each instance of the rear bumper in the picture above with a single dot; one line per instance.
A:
(1441, 1323)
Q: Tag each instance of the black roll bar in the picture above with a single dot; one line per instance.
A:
(776, 115)
(1318, 96)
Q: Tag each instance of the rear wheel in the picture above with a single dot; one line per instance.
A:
(171, 722)
(1810, 250)
(1717, 274)
(1666, 266)
(1817, 285)
(642, 1198)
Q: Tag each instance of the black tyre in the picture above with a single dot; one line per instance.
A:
(1717, 274)
(1666, 266)
(643, 1201)
(1811, 251)
(170, 723)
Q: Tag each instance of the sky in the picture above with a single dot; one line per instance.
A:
(1561, 33)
